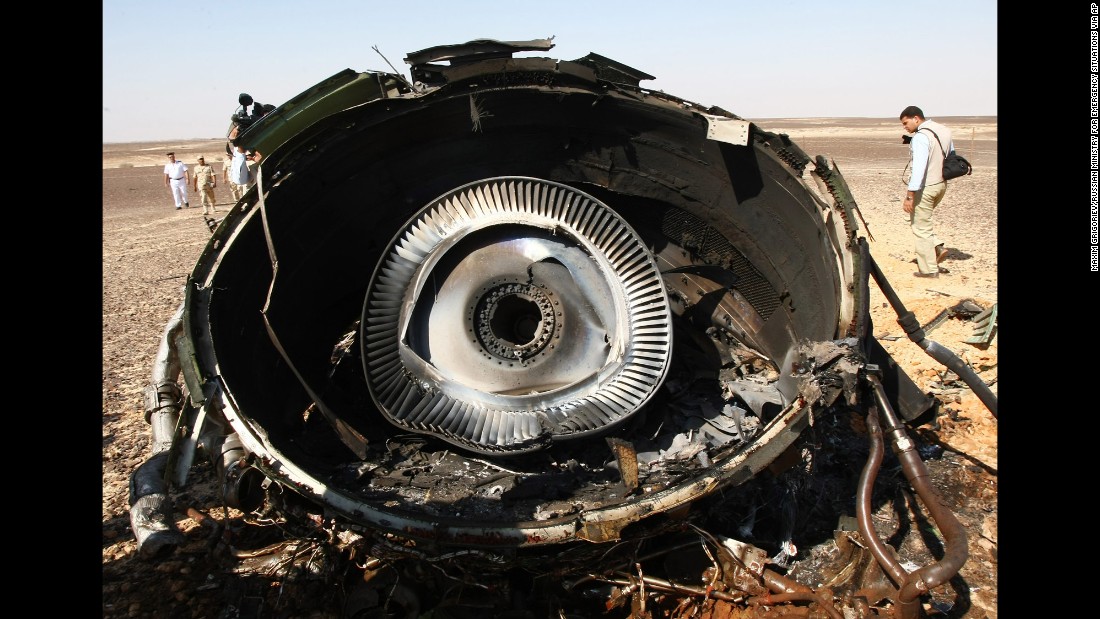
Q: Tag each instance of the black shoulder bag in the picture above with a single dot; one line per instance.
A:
(954, 165)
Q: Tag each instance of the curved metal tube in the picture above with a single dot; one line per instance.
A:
(788, 590)
(150, 505)
(665, 586)
(889, 564)
(956, 551)
(913, 330)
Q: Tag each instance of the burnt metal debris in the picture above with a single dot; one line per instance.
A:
(985, 325)
(966, 308)
(519, 335)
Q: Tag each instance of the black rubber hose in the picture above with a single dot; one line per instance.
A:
(863, 316)
(950, 360)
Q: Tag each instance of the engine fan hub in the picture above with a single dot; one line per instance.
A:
(514, 321)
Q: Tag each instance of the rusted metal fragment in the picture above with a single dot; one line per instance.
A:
(627, 459)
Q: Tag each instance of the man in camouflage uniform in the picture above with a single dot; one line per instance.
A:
(204, 183)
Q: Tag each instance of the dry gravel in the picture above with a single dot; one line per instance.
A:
(149, 248)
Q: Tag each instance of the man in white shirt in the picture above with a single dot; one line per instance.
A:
(926, 187)
(235, 192)
(239, 174)
(177, 178)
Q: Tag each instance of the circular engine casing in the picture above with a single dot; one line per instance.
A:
(347, 313)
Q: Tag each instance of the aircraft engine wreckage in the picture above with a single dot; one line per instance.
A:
(519, 328)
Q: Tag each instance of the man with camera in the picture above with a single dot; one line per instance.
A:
(926, 187)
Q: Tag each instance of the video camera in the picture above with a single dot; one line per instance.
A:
(242, 117)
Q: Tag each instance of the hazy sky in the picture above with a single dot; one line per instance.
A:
(174, 70)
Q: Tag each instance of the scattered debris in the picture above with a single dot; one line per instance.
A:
(985, 326)
(963, 309)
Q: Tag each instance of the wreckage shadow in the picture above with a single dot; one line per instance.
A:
(223, 566)
(114, 526)
(909, 511)
(972, 460)
(928, 436)
(962, 598)
(978, 463)
(954, 253)
(202, 578)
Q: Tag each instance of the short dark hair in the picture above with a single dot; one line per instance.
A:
(910, 112)
(169, 154)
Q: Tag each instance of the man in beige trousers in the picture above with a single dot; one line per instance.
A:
(204, 183)
(928, 146)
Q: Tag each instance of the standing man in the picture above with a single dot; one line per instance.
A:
(238, 171)
(926, 186)
(204, 184)
(176, 178)
(235, 192)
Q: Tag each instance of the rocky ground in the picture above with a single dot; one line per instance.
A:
(149, 248)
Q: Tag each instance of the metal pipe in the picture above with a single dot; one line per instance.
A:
(240, 481)
(780, 598)
(862, 608)
(889, 564)
(166, 365)
(778, 584)
(671, 548)
(150, 506)
(666, 586)
(956, 551)
(913, 330)
(781, 585)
